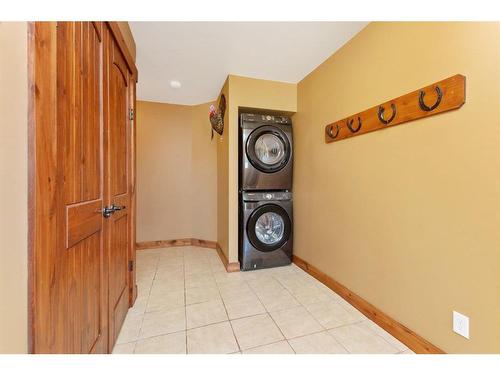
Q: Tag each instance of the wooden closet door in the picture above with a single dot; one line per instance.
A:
(80, 66)
(118, 133)
(81, 154)
(70, 292)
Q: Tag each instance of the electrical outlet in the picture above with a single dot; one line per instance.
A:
(461, 324)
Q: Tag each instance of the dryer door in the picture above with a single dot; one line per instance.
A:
(269, 227)
(268, 149)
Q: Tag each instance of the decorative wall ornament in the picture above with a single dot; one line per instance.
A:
(439, 97)
(216, 116)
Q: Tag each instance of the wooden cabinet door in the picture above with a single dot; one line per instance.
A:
(117, 187)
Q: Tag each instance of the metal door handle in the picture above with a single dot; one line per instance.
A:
(107, 211)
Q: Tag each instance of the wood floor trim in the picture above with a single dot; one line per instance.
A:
(411, 339)
(230, 267)
(162, 243)
(203, 243)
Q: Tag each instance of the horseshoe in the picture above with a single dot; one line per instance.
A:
(423, 106)
(381, 111)
(330, 131)
(351, 128)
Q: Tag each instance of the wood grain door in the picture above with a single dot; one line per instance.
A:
(80, 108)
(81, 155)
(70, 283)
(118, 162)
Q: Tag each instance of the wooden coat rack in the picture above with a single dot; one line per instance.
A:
(439, 97)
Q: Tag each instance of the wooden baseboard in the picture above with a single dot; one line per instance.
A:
(230, 267)
(412, 340)
(203, 243)
(175, 243)
(162, 243)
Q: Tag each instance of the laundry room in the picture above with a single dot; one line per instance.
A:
(267, 177)
(251, 187)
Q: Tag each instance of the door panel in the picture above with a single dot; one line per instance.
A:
(118, 123)
(117, 188)
(118, 277)
(85, 288)
(84, 220)
(70, 285)
(69, 83)
(83, 188)
(92, 111)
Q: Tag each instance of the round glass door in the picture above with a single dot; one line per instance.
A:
(269, 227)
(268, 149)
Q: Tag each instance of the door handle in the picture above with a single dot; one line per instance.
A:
(107, 211)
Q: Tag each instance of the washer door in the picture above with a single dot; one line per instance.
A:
(269, 227)
(268, 149)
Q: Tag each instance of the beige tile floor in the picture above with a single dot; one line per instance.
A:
(187, 303)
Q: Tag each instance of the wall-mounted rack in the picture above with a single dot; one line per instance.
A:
(439, 97)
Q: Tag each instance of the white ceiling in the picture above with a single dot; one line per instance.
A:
(201, 54)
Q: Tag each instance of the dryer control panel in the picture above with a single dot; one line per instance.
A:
(267, 196)
(265, 119)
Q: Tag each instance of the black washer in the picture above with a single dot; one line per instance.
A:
(252, 236)
(252, 156)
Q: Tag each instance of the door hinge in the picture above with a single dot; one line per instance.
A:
(130, 265)
(131, 114)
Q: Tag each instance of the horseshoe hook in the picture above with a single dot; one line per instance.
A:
(351, 128)
(330, 132)
(381, 111)
(426, 108)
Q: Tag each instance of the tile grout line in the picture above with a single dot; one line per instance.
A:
(267, 312)
(246, 282)
(227, 314)
(270, 316)
(250, 316)
(225, 310)
(327, 329)
(300, 271)
(321, 325)
(383, 338)
(147, 303)
(185, 301)
(146, 312)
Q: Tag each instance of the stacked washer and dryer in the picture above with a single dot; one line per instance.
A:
(266, 210)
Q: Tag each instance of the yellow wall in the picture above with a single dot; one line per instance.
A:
(407, 217)
(176, 173)
(248, 93)
(223, 178)
(203, 175)
(13, 188)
